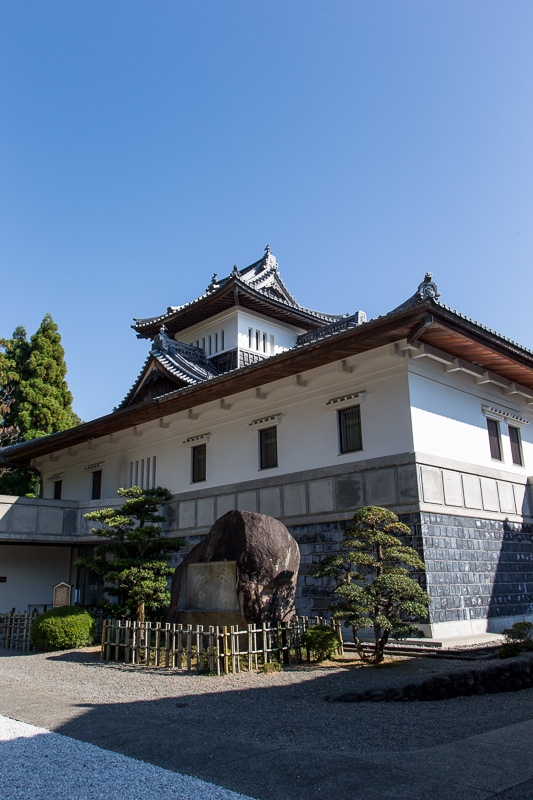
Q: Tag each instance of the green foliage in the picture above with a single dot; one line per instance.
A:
(62, 629)
(519, 638)
(371, 579)
(37, 399)
(132, 560)
(321, 640)
(510, 649)
(270, 666)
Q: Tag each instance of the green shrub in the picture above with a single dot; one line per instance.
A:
(272, 666)
(519, 638)
(510, 649)
(321, 640)
(63, 628)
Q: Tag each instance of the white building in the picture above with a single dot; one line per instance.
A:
(248, 400)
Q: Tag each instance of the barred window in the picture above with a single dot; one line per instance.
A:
(198, 463)
(495, 441)
(516, 446)
(268, 447)
(97, 484)
(350, 435)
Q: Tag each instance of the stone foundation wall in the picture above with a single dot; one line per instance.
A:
(479, 571)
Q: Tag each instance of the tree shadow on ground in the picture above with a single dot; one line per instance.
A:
(282, 740)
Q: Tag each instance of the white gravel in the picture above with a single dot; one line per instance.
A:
(38, 764)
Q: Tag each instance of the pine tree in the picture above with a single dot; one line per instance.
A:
(44, 398)
(133, 557)
(35, 396)
(372, 582)
(14, 354)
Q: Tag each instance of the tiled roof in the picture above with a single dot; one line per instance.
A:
(262, 276)
(186, 363)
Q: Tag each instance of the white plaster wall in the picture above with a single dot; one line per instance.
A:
(226, 321)
(31, 572)
(235, 324)
(448, 421)
(284, 335)
(307, 432)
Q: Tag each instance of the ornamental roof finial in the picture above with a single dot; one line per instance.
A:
(428, 288)
(267, 250)
(235, 271)
(161, 339)
(213, 284)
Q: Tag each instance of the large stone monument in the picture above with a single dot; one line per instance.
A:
(244, 571)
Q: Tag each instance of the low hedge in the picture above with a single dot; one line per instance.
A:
(510, 676)
(63, 628)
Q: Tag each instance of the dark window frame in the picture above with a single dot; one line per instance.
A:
(96, 491)
(517, 453)
(199, 463)
(350, 431)
(495, 439)
(58, 489)
(268, 447)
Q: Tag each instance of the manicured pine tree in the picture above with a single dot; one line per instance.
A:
(371, 579)
(133, 558)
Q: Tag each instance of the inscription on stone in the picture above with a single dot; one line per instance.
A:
(61, 595)
(212, 586)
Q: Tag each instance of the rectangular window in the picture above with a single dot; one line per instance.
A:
(516, 446)
(198, 461)
(495, 441)
(203, 343)
(216, 342)
(257, 340)
(271, 344)
(130, 484)
(58, 485)
(221, 340)
(264, 342)
(350, 435)
(97, 485)
(141, 480)
(209, 343)
(153, 473)
(250, 338)
(136, 474)
(268, 447)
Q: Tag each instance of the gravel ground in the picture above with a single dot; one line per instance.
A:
(63, 767)
(277, 708)
(268, 736)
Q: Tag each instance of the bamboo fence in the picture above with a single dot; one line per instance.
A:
(15, 630)
(216, 649)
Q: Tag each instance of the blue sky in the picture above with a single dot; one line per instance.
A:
(145, 146)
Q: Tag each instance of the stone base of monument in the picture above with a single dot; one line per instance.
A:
(214, 618)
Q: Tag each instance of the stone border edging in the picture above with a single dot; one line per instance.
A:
(509, 676)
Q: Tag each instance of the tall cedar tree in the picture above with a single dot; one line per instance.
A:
(37, 399)
(133, 557)
(371, 579)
